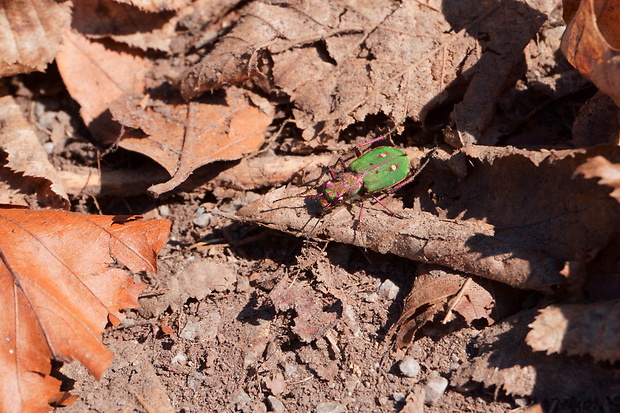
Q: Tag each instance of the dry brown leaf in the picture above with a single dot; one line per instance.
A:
(581, 329)
(182, 137)
(58, 293)
(505, 361)
(599, 167)
(30, 33)
(341, 61)
(124, 24)
(591, 43)
(95, 75)
(26, 159)
(431, 289)
(437, 289)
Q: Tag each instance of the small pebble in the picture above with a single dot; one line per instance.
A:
(389, 290)
(409, 367)
(435, 388)
(203, 219)
(371, 298)
(180, 358)
(275, 404)
(399, 396)
(48, 147)
(329, 407)
(164, 210)
(241, 397)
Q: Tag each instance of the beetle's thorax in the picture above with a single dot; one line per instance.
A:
(337, 191)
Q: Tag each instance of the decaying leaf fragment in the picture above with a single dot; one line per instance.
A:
(591, 43)
(182, 137)
(124, 23)
(58, 292)
(600, 167)
(581, 329)
(436, 289)
(311, 322)
(31, 33)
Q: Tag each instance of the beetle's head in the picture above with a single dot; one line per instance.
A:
(332, 193)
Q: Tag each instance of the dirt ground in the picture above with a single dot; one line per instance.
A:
(231, 350)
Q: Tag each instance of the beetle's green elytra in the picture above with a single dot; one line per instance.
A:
(382, 168)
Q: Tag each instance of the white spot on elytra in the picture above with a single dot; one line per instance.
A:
(11, 351)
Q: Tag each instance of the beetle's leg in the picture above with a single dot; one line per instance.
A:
(382, 204)
(342, 165)
(356, 147)
(331, 171)
(361, 210)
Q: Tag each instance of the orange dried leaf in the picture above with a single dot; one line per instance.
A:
(58, 292)
(182, 137)
(96, 75)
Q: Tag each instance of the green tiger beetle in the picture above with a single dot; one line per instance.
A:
(379, 171)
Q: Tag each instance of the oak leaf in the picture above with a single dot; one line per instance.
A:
(58, 293)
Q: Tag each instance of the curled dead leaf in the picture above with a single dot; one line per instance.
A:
(26, 158)
(591, 43)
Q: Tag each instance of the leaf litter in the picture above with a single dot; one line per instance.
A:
(383, 56)
(521, 218)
